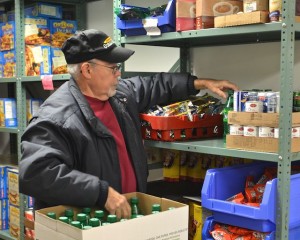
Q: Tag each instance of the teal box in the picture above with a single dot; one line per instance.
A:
(4, 215)
(44, 10)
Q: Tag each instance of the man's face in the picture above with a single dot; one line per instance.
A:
(103, 78)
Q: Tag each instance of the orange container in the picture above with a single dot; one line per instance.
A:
(181, 128)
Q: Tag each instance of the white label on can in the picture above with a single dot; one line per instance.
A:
(276, 132)
(295, 132)
(250, 131)
(236, 130)
(254, 106)
(266, 132)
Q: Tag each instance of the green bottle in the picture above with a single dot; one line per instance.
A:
(81, 217)
(64, 219)
(69, 213)
(94, 222)
(87, 211)
(156, 207)
(76, 224)
(100, 215)
(134, 202)
(112, 218)
(51, 215)
(228, 107)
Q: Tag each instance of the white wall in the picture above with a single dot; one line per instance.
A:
(250, 66)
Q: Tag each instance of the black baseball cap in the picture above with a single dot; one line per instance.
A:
(89, 44)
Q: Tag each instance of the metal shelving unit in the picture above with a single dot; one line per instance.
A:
(285, 32)
(20, 79)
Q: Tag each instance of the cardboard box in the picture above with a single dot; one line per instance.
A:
(255, 5)
(218, 7)
(242, 19)
(185, 15)
(4, 215)
(8, 112)
(38, 60)
(260, 119)
(258, 144)
(14, 222)
(166, 224)
(13, 186)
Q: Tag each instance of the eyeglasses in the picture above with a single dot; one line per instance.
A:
(116, 68)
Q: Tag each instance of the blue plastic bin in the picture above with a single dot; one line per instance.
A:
(220, 184)
(166, 22)
(209, 223)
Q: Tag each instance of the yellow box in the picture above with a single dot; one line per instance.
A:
(242, 19)
(260, 119)
(258, 144)
(13, 186)
(14, 221)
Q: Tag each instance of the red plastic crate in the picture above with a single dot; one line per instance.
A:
(181, 128)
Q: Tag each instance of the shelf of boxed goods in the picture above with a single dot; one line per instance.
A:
(285, 32)
(267, 32)
(56, 77)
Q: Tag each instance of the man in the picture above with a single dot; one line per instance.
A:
(84, 146)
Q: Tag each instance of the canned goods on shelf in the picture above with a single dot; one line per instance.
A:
(250, 131)
(266, 132)
(236, 130)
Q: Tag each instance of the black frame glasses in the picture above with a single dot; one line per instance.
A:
(114, 69)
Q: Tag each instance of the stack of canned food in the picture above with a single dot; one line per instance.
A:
(257, 101)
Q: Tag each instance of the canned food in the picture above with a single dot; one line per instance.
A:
(271, 102)
(266, 132)
(250, 131)
(254, 106)
(295, 132)
(237, 130)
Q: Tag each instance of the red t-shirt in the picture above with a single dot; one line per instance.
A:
(104, 112)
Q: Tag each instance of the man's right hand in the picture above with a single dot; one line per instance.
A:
(117, 204)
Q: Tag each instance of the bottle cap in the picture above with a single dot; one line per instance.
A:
(86, 210)
(156, 207)
(99, 214)
(81, 217)
(134, 200)
(51, 215)
(94, 222)
(76, 224)
(64, 219)
(112, 218)
(69, 212)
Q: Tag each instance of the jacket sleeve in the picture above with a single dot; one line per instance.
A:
(160, 89)
(47, 169)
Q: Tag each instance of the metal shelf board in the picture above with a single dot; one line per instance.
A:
(210, 37)
(9, 130)
(212, 146)
(4, 234)
(8, 80)
(57, 77)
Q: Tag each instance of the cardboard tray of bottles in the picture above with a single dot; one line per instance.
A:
(175, 128)
(166, 224)
(260, 120)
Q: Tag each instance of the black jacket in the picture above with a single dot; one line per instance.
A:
(70, 158)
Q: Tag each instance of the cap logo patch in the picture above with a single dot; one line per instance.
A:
(107, 42)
